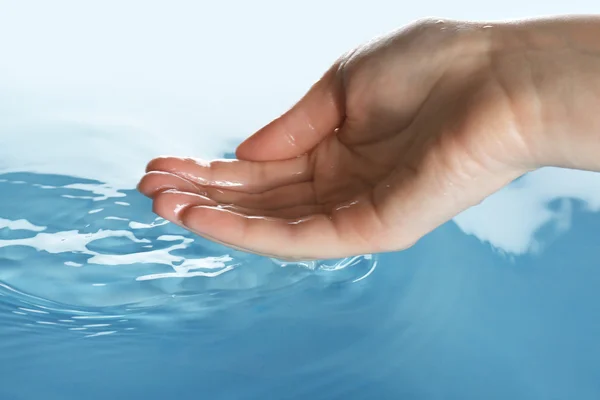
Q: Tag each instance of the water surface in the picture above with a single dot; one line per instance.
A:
(101, 299)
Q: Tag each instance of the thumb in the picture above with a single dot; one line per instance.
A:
(301, 128)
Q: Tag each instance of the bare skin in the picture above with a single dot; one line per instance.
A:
(399, 136)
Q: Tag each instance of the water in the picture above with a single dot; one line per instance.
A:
(101, 299)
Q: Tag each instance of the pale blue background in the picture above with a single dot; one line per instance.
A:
(500, 303)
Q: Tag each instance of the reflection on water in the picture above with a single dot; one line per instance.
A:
(74, 252)
(96, 289)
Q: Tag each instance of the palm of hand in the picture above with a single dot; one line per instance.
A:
(370, 160)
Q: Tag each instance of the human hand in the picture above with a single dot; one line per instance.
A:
(399, 136)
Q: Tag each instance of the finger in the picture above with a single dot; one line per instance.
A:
(298, 194)
(156, 181)
(319, 236)
(171, 203)
(301, 128)
(282, 197)
(245, 176)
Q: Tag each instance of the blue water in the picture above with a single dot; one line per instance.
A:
(101, 299)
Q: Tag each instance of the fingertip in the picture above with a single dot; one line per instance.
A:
(315, 116)
(170, 163)
(202, 219)
(172, 204)
(156, 163)
(165, 206)
(149, 187)
(244, 150)
(155, 182)
(263, 145)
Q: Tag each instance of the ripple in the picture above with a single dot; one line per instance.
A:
(75, 250)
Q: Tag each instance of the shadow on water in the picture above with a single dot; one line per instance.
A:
(99, 298)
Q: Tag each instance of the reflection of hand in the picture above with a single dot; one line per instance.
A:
(399, 136)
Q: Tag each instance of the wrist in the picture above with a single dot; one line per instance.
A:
(556, 63)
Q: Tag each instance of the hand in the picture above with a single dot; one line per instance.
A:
(399, 136)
